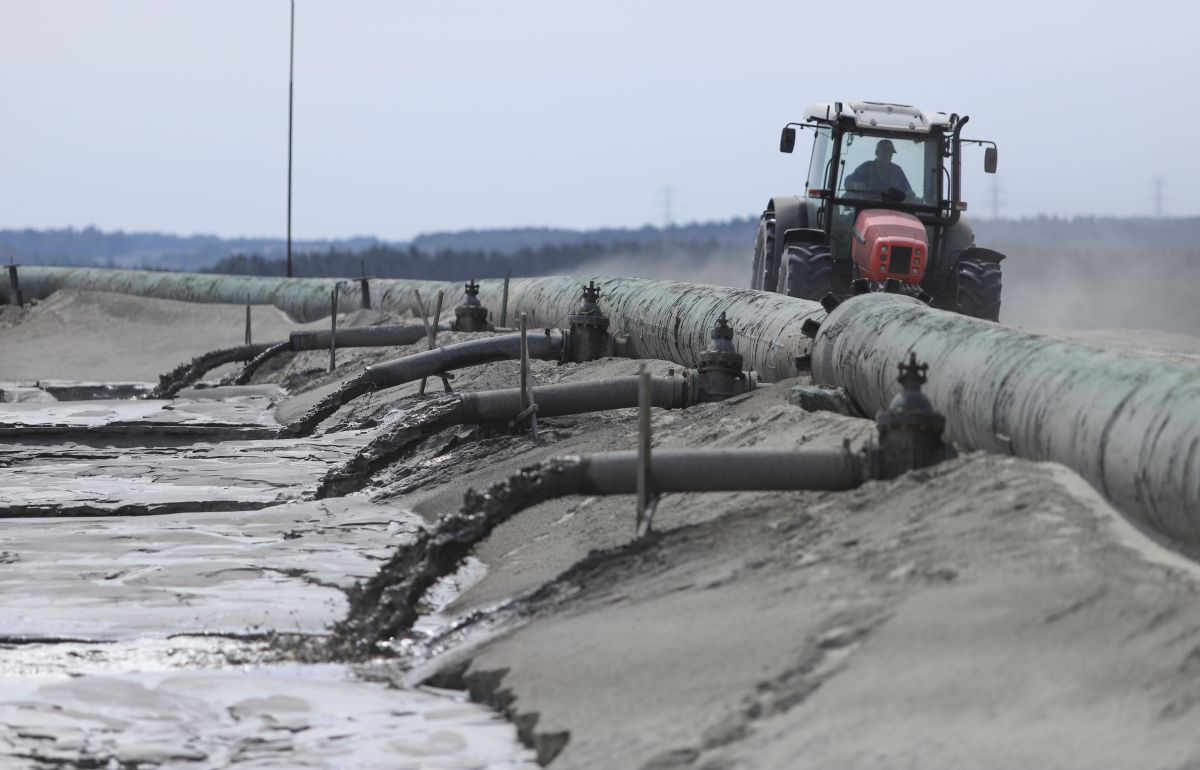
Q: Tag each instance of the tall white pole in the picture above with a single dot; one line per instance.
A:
(291, 70)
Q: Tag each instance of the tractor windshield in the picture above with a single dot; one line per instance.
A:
(891, 169)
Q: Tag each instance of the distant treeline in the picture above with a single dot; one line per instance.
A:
(70, 246)
(530, 251)
(461, 265)
(732, 232)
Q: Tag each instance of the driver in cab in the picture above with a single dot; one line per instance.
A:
(881, 176)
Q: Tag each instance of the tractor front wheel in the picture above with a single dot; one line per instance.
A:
(806, 271)
(764, 254)
(979, 287)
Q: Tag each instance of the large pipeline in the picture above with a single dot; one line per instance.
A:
(673, 320)
(304, 299)
(1129, 425)
(667, 320)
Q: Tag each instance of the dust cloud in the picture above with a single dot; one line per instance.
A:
(718, 268)
(1058, 287)
(1102, 288)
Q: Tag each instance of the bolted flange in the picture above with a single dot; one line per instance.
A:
(587, 337)
(910, 429)
(471, 316)
(720, 367)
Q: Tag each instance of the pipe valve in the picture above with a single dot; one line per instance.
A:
(910, 429)
(588, 337)
(720, 367)
(471, 316)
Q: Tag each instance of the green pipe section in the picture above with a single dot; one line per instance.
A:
(667, 320)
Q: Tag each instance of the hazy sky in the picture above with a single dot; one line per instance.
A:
(413, 117)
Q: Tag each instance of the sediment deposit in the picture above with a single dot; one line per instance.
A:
(989, 611)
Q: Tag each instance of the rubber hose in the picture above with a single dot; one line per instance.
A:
(721, 470)
(253, 364)
(359, 337)
(186, 374)
(428, 364)
(574, 398)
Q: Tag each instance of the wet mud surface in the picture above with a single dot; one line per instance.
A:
(988, 611)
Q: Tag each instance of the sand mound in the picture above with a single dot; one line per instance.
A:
(77, 335)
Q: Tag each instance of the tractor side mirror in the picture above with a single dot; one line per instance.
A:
(787, 141)
(989, 160)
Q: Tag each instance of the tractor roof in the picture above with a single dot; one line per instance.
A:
(891, 117)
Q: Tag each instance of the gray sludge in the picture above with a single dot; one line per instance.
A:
(1130, 426)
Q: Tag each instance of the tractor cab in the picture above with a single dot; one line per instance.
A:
(881, 206)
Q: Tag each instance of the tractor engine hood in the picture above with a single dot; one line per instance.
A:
(890, 244)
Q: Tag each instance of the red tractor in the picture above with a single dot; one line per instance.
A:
(881, 210)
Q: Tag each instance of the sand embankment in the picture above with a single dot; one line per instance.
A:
(988, 612)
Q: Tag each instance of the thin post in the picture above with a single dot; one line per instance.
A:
(433, 323)
(365, 285)
(333, 302)
(646, 499)
(504, 301)
(527, 405)
(424, 312)
(524, 363)
(291, 89)
(431, 330)
(14, 285)
(249, 336)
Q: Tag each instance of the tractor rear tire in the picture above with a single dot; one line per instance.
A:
(764, 254)
(979, 285)
(806, 271)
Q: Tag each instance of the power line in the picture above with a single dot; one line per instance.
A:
(667, 192)
(995, 197)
